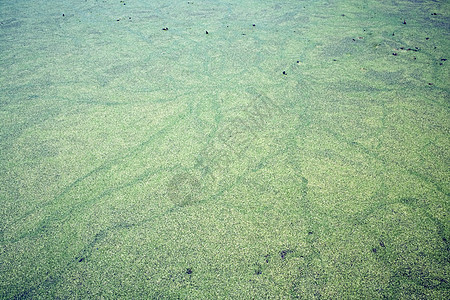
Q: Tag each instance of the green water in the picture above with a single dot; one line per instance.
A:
(137, 162)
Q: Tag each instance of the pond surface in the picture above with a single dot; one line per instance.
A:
(224, 149)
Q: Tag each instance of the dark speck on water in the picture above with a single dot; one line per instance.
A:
(284, 253)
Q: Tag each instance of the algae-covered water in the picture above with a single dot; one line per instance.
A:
(224, 149)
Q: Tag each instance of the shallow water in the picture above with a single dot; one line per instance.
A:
(284, 149)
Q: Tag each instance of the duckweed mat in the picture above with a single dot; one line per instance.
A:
(224, 149)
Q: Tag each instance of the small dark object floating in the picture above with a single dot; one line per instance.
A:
(284, 73)
(63, 15)
(254, 25)
(404, 22)
(188, 271)
(165, 29)
(395, 54)
(206, 31)
(374, 250)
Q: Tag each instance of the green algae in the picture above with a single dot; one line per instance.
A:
(138, 162)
